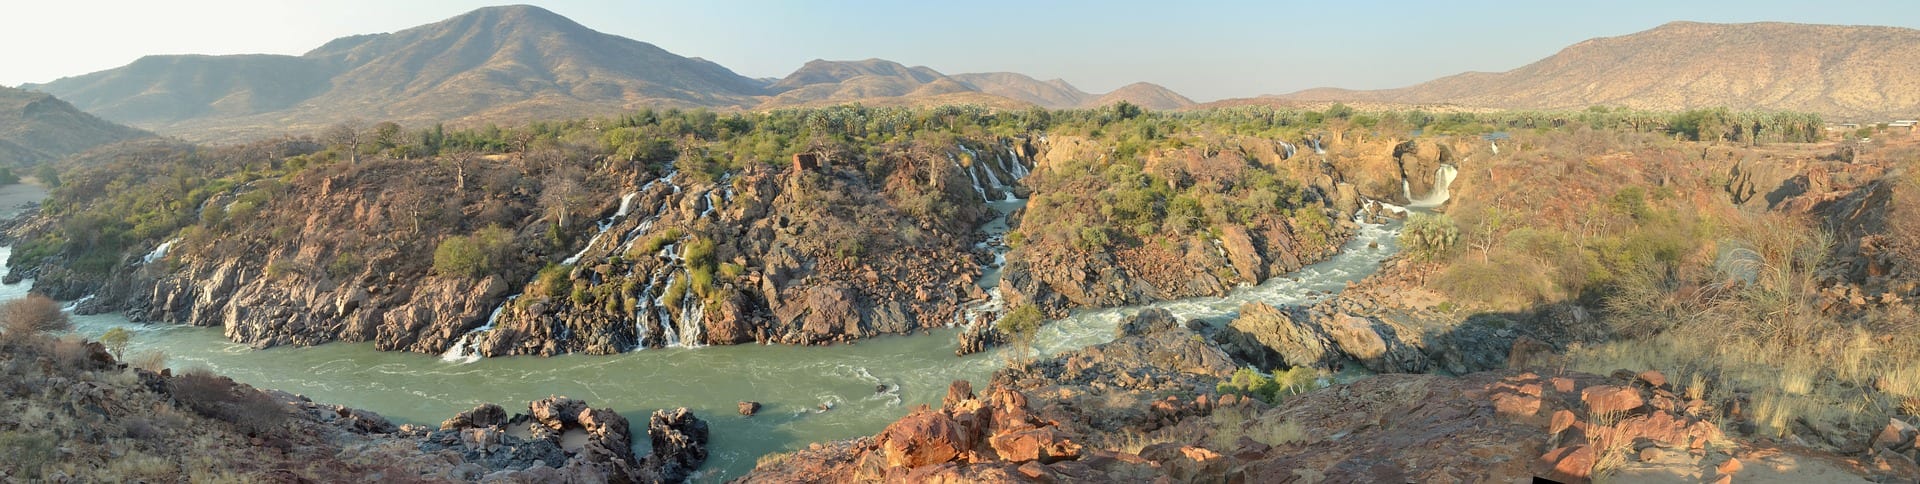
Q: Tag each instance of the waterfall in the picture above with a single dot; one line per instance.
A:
(76, 303)
(461, 351)
(625, 203)
(666, 317)
(603, 225)
(1019, 170)
(992, 180)
(976, 178)
(1317, 149)
(693, 317)
(1495, 146)
(158, 252)
(711, 204)
(1287, 153)
(1442, 178)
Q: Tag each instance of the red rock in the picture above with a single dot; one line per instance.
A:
(1561, 384)
(1730, 467)
(1609, 399)
(1044, 444)
(1900, 466)
(1569, 464)
(1516, 405)
(1561, 420)
(1653, 378)
(1033, 470)
(1658, 427)
(1895, 434)
(920, 439)
(958, 391)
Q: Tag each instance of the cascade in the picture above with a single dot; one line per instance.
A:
(976, 178)
(1442, 178)
(158, 252)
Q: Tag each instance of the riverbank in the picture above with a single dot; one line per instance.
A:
(792, 383)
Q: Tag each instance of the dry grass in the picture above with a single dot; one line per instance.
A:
(1230, 424)
(1766, 339)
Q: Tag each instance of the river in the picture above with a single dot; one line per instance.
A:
(792, 382)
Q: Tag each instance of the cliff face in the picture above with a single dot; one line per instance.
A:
(623, 255)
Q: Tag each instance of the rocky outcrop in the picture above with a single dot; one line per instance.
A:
(560, 436)
(1497, 426)
(679, 444)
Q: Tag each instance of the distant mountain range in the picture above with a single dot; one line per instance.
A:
(36, 127)
(1840, 71)
(508, 64)
(516, 63)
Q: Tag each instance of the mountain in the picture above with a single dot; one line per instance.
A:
(513, 62)
(1146, 95)
(36, 127)
(1053, 94)
(878, 82)
(1842, 71)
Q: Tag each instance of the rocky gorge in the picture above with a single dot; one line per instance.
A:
(796, 253)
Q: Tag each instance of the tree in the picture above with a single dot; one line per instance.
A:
(116, 340)
(345, 135)
(1339, 111)
(1020, 326)
(48, 175)
(33, 314)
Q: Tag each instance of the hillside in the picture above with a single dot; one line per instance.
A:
(496, 63)
(1053, 94)
(1841, 71)
(36, 127)
(1146, 95)
(880, 82)
(507, 65)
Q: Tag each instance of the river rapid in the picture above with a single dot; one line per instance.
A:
(809, 394)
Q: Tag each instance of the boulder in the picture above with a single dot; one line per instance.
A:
(679, 444)
(1044, 444)
(922, 438)
(958, 391)
(749, 408)
(1243, 255)
(485, 415)
(1569, 464)
(1611, 400)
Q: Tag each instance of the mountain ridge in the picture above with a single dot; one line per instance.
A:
(1836, 70)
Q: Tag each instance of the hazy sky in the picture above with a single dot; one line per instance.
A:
(1206, 50)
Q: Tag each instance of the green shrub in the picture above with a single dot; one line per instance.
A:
(1251, 383)
(1429, 236)
(116, 340)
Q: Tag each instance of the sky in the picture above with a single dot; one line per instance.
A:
(1205, 50)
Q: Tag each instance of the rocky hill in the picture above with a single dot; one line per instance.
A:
(36, 127)
(881, 82)
(1146, 95)
(515, 62)
(1051, 94)
(1839, 71)
(508, 64)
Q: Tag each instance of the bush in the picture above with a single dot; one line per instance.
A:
(116, 340)
(1020, 326)
(150, 360)
(1251, 383)
(1429, 237)
(33, 314)
(26, 453)
(217, 397)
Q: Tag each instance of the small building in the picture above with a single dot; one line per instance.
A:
(1901, 126)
